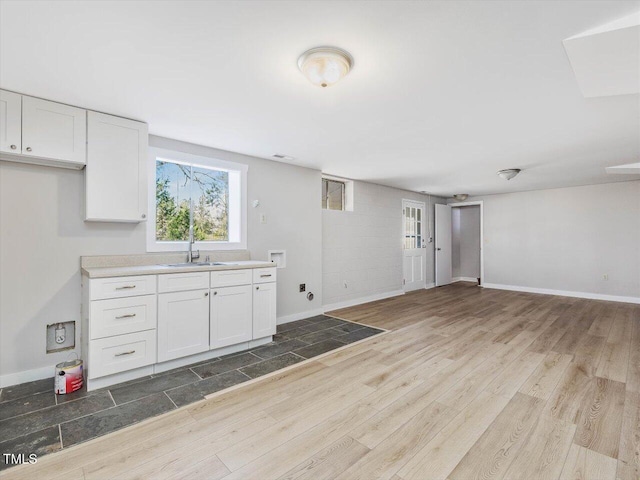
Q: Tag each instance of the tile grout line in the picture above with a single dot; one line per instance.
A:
(60, 435)
(196, 374)
(170, 399)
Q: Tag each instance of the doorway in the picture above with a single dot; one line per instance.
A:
(459, 239)
(465, 244)
(414, 246)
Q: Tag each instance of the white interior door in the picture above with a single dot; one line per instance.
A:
(443, 245)
(415, 255)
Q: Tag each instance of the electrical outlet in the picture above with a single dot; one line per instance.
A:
(263, 218)
(605, 276)
(303, 287)
(61, 336)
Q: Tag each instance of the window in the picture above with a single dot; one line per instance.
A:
(189, 190)
(333, 194)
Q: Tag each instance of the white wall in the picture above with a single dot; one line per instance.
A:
(43, 235)
(364, 247)
(565, 239)
(465, 239)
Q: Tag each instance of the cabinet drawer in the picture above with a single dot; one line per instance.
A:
(179, 282)
(122, 315)
(123, 352)
(230, 278)
(264, 275)
(118, 287)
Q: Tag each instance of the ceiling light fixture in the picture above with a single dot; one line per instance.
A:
(509, 173)
(461, 197)
(324, 66)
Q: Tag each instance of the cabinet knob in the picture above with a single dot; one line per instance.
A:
(144, 215)
(215, 293)
(28, 149)
(257, 288)
(207, 294)
(13, 147)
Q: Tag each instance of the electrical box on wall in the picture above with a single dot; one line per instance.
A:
(61, 336)
(279, 257)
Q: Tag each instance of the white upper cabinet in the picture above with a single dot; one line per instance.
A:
(54, 131)
(116, 173)
(10, 122)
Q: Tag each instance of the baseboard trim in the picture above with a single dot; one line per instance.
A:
(465, 279)
(28, 376)
(299, 316)
(361, 300)
(564, 293)
(429, 286)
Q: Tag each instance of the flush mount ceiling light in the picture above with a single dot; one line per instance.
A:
(324, 66)
(509, 173)
(461, 197)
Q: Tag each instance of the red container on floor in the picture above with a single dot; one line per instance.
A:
(68, 377)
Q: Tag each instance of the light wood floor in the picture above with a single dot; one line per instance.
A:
(470, 383)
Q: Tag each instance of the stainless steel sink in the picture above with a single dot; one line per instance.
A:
(201, 264)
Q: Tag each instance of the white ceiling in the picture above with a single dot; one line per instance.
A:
(442, 95)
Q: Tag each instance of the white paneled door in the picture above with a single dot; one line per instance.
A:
(414, 246)
(443, 245)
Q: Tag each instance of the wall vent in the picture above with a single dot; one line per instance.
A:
(280, 156)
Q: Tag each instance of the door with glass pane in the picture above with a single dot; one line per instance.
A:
(414, 246)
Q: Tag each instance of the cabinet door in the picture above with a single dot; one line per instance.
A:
(230, 316)
(116, 174)
(10, 122)
(264, 310)
(52, 130)
(183, 324)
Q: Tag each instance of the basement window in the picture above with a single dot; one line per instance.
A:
(333, 194)
(207, 193)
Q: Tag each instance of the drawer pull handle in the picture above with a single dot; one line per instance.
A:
(262, 276)
(128, 315)
(125, 287)
(125, 353)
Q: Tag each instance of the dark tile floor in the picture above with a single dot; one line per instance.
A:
(35, 420)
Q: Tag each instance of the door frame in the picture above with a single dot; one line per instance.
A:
(424, 211)
(481, 204)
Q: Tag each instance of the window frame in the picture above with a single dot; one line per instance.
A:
(344, 194)
(175, 156)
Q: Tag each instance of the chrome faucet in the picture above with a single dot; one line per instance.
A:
(191, 256)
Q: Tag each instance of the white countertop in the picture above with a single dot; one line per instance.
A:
(104, 272)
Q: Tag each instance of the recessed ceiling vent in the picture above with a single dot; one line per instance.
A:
(280, 156)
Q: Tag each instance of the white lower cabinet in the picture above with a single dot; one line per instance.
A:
(183, 324)
(264, 310)
(230, 316)
(122, 352)
(138, 321)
